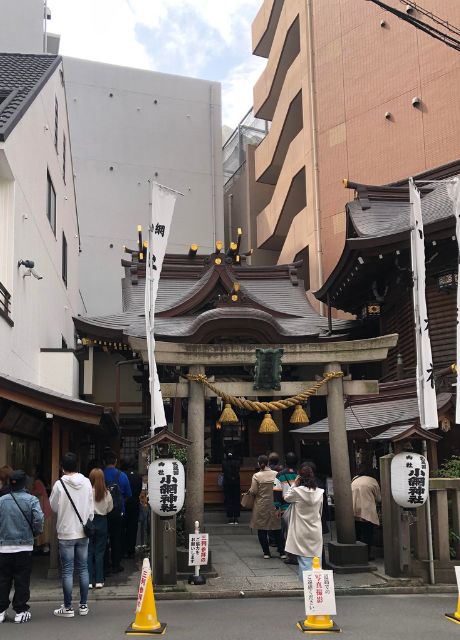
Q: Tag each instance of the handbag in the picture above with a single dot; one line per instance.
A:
(247, 500)
(88, 529)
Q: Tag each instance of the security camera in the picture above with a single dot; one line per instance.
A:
(28, 264)
(409, 9)
(30, 271)
(416, 101)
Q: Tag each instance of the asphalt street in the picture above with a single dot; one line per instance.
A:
(360, 617)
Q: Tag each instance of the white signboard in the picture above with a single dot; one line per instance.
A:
(457, 575)
(166, 486)
(319, 593)
(410, 475)
(198, 544)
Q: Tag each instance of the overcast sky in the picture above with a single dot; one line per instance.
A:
(208, 39)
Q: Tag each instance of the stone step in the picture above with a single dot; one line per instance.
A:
(227, 529)
(220, 517)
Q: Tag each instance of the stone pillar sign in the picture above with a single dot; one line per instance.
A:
(194, 505)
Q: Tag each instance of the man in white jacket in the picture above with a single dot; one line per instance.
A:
(73, 543)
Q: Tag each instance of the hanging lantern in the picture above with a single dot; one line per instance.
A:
(299, 415)
(410, 475)
(166, 483)
(268, 425)
(228, 416)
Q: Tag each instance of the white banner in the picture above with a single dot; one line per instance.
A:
(454, 192)
(161, 213)
(198, 545)
(426, 392)
(319, 593)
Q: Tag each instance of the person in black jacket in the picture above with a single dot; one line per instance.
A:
(132, 507)
(231, 487)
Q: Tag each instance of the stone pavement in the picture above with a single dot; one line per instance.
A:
(241, 572)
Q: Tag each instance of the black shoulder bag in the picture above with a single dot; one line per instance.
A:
(26, 518)
(89, 529)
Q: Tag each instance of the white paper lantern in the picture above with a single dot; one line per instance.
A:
(166, 486)
(410, 476)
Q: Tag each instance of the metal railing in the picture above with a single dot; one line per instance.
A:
(5, 304)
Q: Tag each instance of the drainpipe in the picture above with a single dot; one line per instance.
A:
(313, 123)
(118, 383)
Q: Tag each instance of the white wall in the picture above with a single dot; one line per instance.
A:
(59, 371)
(42, 310)
(179, 137)
(21, 26)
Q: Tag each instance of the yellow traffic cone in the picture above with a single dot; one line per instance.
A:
(146, 621)
(454, 617)
(318, 624)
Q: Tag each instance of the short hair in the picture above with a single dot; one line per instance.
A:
(273, 458)
(69, 462)
(110, 457)
(291, 459)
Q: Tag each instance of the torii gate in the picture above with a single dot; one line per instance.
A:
(330, 355)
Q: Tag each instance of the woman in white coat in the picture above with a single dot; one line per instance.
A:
(305, 532)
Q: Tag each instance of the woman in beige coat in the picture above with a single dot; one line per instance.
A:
(366, 493)
(264, 515)
(305, 532)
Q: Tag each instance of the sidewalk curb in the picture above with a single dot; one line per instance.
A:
(260, 593)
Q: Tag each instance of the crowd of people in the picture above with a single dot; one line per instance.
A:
(290, 510)
(97, 520)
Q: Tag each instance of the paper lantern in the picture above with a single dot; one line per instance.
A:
(410, 476)
(166, 486)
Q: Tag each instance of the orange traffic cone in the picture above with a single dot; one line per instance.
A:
(318, 624)
(146, 621)
(454, 617)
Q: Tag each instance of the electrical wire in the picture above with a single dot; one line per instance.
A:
(359, 422)
(448, 40)
(433, 17)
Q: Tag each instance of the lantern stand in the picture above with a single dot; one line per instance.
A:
(163, 544)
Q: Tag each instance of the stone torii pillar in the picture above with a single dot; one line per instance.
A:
(346, 552)
(195, 458)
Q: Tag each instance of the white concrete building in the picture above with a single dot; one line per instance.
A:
(38, 222)
(127, 127)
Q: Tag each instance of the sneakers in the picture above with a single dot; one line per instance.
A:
(267, 556)
(24, 616)
(99, 585)
(83, 610)
(90, 586)
(2, 616)
(283, 556)
(64, 612)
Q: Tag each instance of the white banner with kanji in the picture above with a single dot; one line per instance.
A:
(426, 392)
(454, 192)
(318, 587)
(161, 213)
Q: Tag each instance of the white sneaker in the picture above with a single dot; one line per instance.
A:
(90, 586)
(83, 610)
(24, 616)
(63, 612)
(99, 585)
(2, 616)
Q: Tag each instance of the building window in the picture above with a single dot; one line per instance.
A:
(5, 305)
(51, 204)
(64, 149)
(64, 259)
(56, 122)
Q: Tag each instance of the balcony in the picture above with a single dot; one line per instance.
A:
(288, 199)
(264, 27)
(285, 49)
(5, 305)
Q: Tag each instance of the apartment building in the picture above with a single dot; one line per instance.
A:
(351, 91)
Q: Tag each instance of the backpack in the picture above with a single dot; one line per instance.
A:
(117, 496)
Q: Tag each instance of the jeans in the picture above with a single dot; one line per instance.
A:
(74, 551)
(15, 567)
(116, 525)
(262, 534)
(365, 533)
(305, 564)
(96, 550)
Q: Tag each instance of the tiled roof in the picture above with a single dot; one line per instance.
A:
(22, 76)
(273, 300)
(376, 414)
